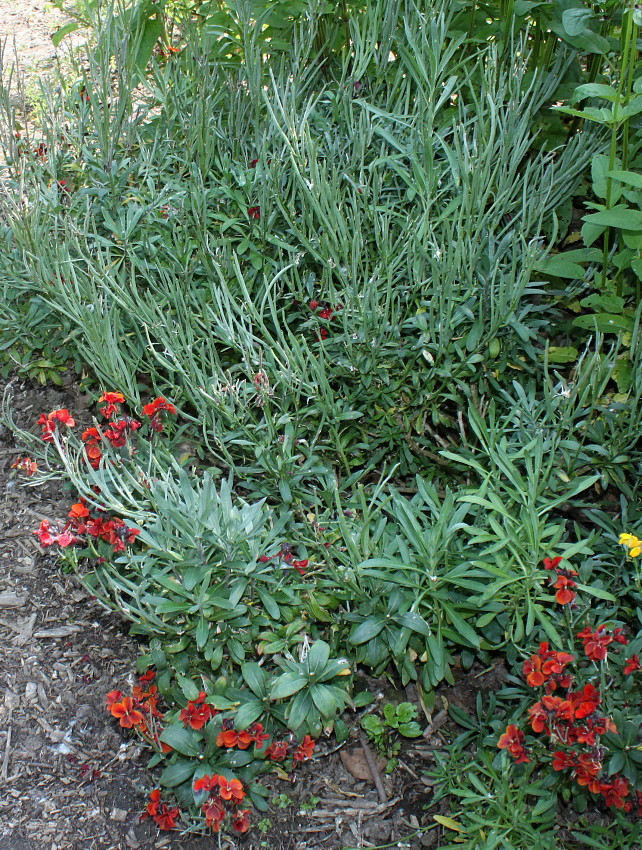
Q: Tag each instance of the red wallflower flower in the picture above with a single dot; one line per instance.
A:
(113, 400)
(513, 741)
(197, 712)
(277, 750)
(304, 751)
(126, 713)
(632, 665)
(25, 465)
(585, 702)
(595, 643)
(563, 761)
(549, 709)
(214, 813)
(154, 409)
(78, 510)
(564, 594)
(552, 563)
(50, 422)
(230, 789)
(241, 822)
(254, 212)
(615, 792)
(163, 816)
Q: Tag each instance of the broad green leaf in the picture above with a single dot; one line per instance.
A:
(177, 773)
(184, 741)
(412, 620)
(576, 21)
(604, 322)
(597, 592)
(324, 701)
(563, 354)
(367, 630)
(61, 33)
(619, 216)
(255, 678)
(247, 713)
(631, 178)
(287, 684)
(594, 90)
(202, 632)
(318, 656)
(300, 708)
(187, 686)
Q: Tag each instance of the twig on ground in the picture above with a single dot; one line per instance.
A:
(376, 778)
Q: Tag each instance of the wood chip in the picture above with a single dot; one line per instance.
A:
(63, 631)
(12, 600)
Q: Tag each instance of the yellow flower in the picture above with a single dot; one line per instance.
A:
(628, 540)
(632, 544)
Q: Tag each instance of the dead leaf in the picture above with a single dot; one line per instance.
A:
(355, 763)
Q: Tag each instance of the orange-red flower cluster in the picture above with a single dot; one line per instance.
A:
(51, 421)
(154, 409)
(140, 711)
(562, 582)
(229, 737)
(222, 792)
(547, 668)
(572, 720)
(304, 751)
(596, 642)
(25, 465)
(513, 741)
(197, 712)
(80, 523)
(163, 816)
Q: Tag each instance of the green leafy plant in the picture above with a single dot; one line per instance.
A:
(383, 731)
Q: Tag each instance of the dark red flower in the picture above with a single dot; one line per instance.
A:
(552, 563)
(304, 751)
(300, 566)
(241, 822)
(254, 212)
(632, 665)
(277, 750)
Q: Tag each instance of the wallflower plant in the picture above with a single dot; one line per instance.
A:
(585, 723)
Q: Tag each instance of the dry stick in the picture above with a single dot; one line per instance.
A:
(7, 750)
(376, 778)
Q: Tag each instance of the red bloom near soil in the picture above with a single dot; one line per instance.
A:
(26, 466)
(125, 712)
(304, 751)
(51, 421)
(163, 816)
(222, 792)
